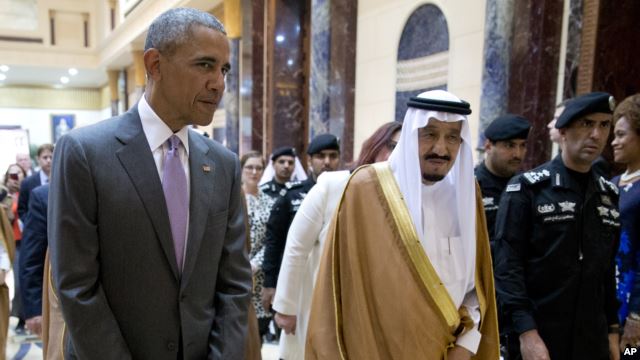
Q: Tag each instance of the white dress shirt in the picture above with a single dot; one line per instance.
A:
(442, 243)
(157, 134)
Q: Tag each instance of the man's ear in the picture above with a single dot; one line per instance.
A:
(152, 64)
(487, 145)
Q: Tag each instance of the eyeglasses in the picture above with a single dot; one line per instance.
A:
(14, 176)
(252, 168)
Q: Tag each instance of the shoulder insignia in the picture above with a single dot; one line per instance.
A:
(283, 192)
(513, 187)
(292, 184)
(603, 211)
(537, 176)
(264, 186)
(607, 185)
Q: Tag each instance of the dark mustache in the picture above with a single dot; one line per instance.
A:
(437, 157)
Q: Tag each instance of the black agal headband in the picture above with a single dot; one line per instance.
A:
(462, 107)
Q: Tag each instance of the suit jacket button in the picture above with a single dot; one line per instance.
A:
(171, 346)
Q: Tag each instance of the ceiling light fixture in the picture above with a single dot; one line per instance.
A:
(64, 79)
(4, 68)
(73, 71)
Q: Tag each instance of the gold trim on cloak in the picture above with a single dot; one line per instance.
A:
(419, 259)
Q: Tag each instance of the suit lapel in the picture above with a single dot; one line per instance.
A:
(137, 160)
(202, 172)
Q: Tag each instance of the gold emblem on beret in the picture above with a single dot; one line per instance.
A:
(612, 103)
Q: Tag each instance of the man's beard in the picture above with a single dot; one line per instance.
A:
(432, 177)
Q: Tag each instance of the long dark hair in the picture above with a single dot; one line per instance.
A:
(376, 142)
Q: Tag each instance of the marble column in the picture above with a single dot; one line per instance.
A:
(533, 70)
(246, 80)
(332, 75)
(574, 40)
(113, 90)
(497, 53)
(232, 97)
(287, 88)
(258, 67)
(233, 25)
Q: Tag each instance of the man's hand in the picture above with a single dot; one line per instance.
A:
(614, 346)
(3, 276)
(286, 323)
(532, 347)
(458, 353)
(267, 297)
(630, 333)
(34, 325)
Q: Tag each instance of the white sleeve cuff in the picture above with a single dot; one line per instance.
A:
(470, 340)
(5, 263)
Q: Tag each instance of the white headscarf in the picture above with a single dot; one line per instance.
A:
(269, 172)
(405, 164)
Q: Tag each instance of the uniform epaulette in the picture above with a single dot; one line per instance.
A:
(293, 184)
(607, 185)
(264, 186)
(536, 176)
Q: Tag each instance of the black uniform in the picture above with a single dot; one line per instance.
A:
(278, 225)
(492, 187)
(274, 188)
(556, 237)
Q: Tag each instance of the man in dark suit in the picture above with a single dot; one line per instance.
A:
(41, 177)
(34, 249)
(146, 227)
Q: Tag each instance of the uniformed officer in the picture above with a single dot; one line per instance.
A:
(283, 160)
(505, 147)
(556, 236)
(324, 155)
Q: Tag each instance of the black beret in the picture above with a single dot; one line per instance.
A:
(323, 142)
(595, 102)
(462, 107)
(285, 150)
(507, 127)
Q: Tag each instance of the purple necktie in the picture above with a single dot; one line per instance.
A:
(174, 185)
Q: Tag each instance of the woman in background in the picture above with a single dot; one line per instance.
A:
(626, 151)
(259, 207)
(305, 242)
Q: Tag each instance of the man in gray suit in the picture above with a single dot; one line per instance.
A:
(146, 225)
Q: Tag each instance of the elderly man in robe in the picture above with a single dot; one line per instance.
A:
(406, 272)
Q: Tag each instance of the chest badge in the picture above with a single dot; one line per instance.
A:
(606, 200)
(603, 211)
(488, 201)
(567, 206)
(546, 208)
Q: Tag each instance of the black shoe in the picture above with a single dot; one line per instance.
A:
(20, 330)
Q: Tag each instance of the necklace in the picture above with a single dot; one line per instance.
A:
(626, 176)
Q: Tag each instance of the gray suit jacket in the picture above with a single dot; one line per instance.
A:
(112, 255)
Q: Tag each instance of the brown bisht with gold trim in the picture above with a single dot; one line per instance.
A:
(377, 295)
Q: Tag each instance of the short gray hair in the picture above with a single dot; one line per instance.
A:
(174, 27)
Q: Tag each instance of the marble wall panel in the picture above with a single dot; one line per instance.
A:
(342, 74)
(533, 70)
(616, 63)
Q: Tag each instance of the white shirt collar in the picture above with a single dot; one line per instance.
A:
(156, 131)
(44, 178)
